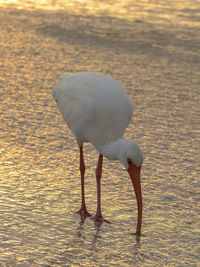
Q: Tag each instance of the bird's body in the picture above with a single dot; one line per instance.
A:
(97, 110)
(95, 107)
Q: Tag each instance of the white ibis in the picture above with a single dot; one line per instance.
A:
(97, 110)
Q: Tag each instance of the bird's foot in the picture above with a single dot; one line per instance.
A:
(99, 218)
(83, 212)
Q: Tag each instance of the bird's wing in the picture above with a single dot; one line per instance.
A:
(95, 107)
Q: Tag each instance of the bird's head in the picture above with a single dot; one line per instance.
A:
(130, 154)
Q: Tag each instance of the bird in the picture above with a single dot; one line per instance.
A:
(98, 110)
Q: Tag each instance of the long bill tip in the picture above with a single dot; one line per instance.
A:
(134, 173)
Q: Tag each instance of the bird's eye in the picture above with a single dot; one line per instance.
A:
(129, 161)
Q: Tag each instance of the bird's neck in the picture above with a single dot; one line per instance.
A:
(112, 150)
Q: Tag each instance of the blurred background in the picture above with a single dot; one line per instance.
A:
(153, 49)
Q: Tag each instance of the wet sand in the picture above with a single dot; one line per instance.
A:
(159, 66)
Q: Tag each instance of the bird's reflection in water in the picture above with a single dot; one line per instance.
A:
(136, 250)
(97, 231)
(79, 229)
(80, 232)
(95, 240)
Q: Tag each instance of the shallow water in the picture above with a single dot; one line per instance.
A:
(152, 48)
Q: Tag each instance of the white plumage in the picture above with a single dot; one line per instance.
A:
(95, 107)
(97, 110)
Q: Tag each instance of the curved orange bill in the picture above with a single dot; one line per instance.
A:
(134, 173)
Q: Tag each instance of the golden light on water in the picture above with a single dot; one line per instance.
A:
(152, 48)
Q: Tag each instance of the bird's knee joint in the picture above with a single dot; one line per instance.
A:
(98, 174)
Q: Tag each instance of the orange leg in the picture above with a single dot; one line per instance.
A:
(98, 216)
(83, 210)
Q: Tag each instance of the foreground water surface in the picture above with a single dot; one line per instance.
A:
(152, 48)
